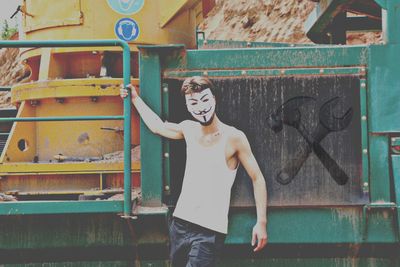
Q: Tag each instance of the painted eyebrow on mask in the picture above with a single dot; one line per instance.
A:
(203, 97)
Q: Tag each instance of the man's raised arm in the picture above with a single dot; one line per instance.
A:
(151, 119)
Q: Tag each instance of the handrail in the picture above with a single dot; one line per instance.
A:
(127, 101)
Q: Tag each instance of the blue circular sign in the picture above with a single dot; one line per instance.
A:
(126, 7)
(127, 29)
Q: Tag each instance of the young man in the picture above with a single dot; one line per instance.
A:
(214, 152)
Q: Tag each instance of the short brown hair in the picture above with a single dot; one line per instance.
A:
(196, 84)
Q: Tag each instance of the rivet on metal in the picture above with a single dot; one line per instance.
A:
(362, 69)
(205, 73)
(393, 139)
(244, 72)
(363, 85)
(364, 118)
(321, 71)
(365, 184)
(365, 151)
(166, 188)
(165, 89)
(282, 72)
(166, 155)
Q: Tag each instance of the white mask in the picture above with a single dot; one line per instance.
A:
(201, 105)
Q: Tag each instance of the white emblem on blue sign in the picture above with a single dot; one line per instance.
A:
(127, 29)
(126, 7)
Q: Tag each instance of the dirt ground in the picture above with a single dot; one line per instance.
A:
(12, 71)
(267, 21)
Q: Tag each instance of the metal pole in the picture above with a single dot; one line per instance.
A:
(127, 101)
(127, 135)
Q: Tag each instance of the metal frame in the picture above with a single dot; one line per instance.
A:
(15, 208)
(369, 223)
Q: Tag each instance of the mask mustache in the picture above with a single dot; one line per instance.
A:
(202, 112)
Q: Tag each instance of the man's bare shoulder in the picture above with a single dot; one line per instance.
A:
(237, 136)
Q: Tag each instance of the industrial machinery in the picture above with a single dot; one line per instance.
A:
(321, 120)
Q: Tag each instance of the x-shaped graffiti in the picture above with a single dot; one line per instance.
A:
(289, 113)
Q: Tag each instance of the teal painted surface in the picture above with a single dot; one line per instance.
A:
(316, 225)
(364, 135)
(63, 231)
(313, 262)
(66, 118)
(383, 89)
(218, 44)
(379, 168)
(151, 144)
(264, 72)
(396, 184)
(166, 146)
(59, 207)
(127, 133)
(75, 264)
(391, 24)
(323, 56)
(277, 262)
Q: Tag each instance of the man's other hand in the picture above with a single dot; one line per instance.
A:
(259, 236)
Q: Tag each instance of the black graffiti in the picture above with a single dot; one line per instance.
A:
(289, 113)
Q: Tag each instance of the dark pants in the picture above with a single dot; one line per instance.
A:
(193, 245)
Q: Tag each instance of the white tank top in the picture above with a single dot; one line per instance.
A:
(207, 183)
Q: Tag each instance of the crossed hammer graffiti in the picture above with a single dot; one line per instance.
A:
(289, 113)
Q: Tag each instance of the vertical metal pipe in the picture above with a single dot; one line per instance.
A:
(127, 132)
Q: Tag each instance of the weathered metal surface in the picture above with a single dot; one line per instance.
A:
(380, 184)
(151, 169)
(247, 104)
(383, 84)
(323, 56)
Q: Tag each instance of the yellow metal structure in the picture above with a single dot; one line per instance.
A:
(82, 82)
